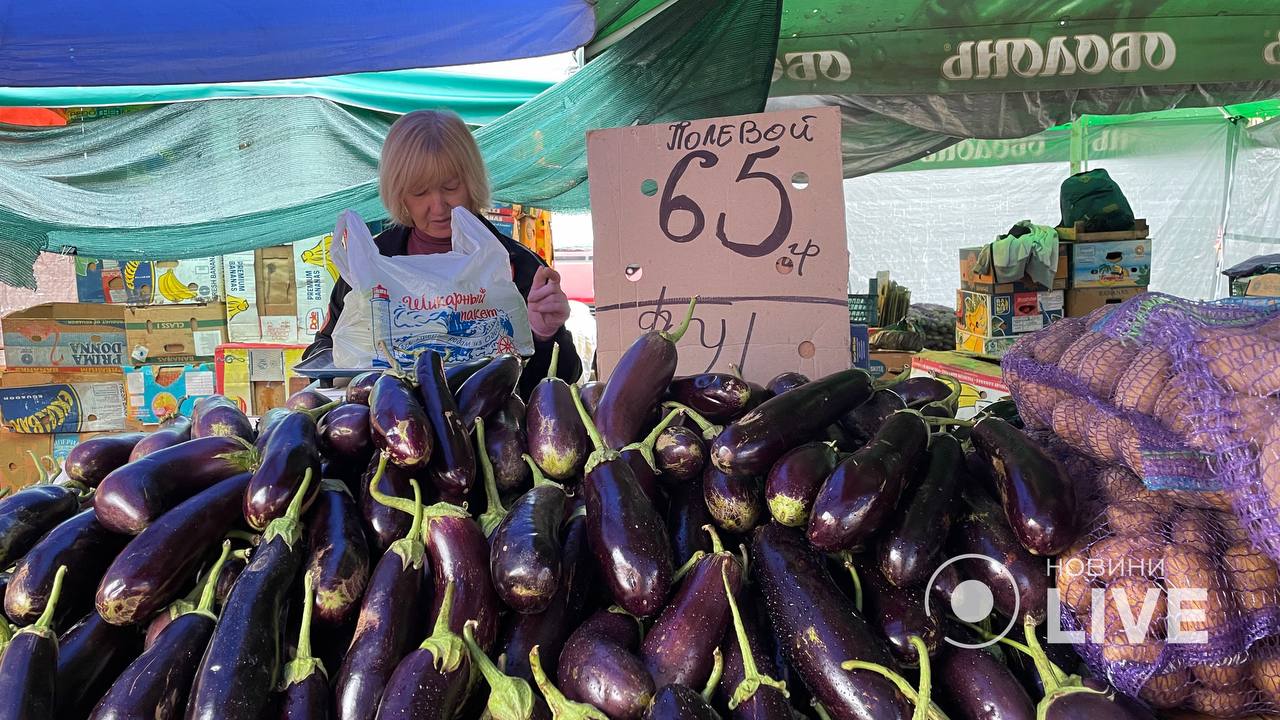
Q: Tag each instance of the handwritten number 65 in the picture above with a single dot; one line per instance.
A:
(670, 203)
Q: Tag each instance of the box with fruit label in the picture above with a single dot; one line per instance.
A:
(149, 282)
(279, 294)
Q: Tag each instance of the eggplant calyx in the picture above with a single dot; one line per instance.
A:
(446, 648)
(645, 446)
(289, 527)
(933, 712)
(674, 335)
(752, 678)
(710, 431)
(690, 564)
(539, 479)
(562, 708)
(717, 547)
(304, 664)
(788, 511)
(717, 672)
(510, 698)
(493, 515)
(410, 548)
(1045, 704)
(600, 457)
(6, 634)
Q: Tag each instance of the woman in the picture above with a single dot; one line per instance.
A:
(431, 164)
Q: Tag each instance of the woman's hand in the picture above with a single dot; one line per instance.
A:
(548, 305)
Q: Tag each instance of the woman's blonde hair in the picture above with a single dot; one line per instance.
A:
(424, 149)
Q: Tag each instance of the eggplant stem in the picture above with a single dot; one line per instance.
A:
(539, 479)
(562, 708)
(409, 547)
(318, 414)
(594, 433)
(752, 678)
(492, 517)
(717, 547)
(555, 362)
(45, 621)
(510, 698)
(6, 634)
(847, 560)
(248, 537)
(945, 422)
(933, 711)
(209, 592)
(709, 429)
(43, 477)
(820, 711)
(925, 692)
(445, 646)
(988, 635)
(1051, 674)
(645, 446)
(957, 388)
(304, 664)
(689, 565)
(675, 335)
(717, 671)
(390, 501)
(890, 384)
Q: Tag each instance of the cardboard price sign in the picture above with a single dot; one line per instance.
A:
(745, 212)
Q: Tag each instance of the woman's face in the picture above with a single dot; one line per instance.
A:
(431, 207)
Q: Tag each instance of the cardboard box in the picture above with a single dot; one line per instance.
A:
(36, 403)
(986, 282)
(258, 376)
(860, 344)
(158, 391)
(18, 470)
(1124, 263)
(984, 345)
(149, 282)
(889, 363)
(279, 294)
(1264, 285)
(65, 334)
(169, 334)
(1007, 314)
(1081, 302)
(981, 380)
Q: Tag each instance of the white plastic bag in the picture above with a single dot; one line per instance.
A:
(462, 304)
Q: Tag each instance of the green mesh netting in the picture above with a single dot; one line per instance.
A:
(207, 178)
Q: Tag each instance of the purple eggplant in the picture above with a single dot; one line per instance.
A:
(864, 421)
(1068, 697)
(510, 698)
(506, 443)
(1017, 578)
(358, 389)
(399, 423)
(679, 648)
(292, 449)
(453, 462)
(899, 614)
(720, 397)
(390, 619)
(753, 443)
(91, 460)
(177, 431)
(430, 683)
(242, 664)
(1039, 500)
(557, 440)
(306, 399)
(746, 686)
(551, 627)
(337, 554)
(457, 374)
(909, 552)
(641, 457)
(156, 684)
(686, 514)
(978, 686)
(598, 670)
(638, 384)
(784, 382)
(29, 666)
(266, 421)
(28, 514)
(822, 628)
(681, 454)
(219, 416)
(345, 437)
(306, 682)
(79, 542)
(524, 557)
(863, 490)
(84, 654)
(487, 389)
(153, 568)
(916, 392)
(627, 535)
(736, 503)
(384, 524)
(591, 393)
(677, 702)
(133, 496)
(794, 480)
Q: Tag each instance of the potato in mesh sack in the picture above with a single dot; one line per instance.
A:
(1048, 345)
(1036, 401)
(1122, 555)
(1245, 363)
(1127, 599)
(1074, 582)
(1269, 466)
(1174, 408)
(1253, 576)
(1169, 690)
(1141, 383)
(1223, 677)
(1264, 667)
(1189, 569)
(1222, 703)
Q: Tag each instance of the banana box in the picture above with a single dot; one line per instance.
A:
(258, 376)
(279, 294)
(159, 391)
(50, 450)
(149, 282)
(980, 380)
(161, 334)
(36, 403)
(65, 335)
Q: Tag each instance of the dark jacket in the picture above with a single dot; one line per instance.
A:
(394, 242)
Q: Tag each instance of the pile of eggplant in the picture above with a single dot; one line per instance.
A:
(433, 545)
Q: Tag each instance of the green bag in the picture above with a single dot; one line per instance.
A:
(1095, 199)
